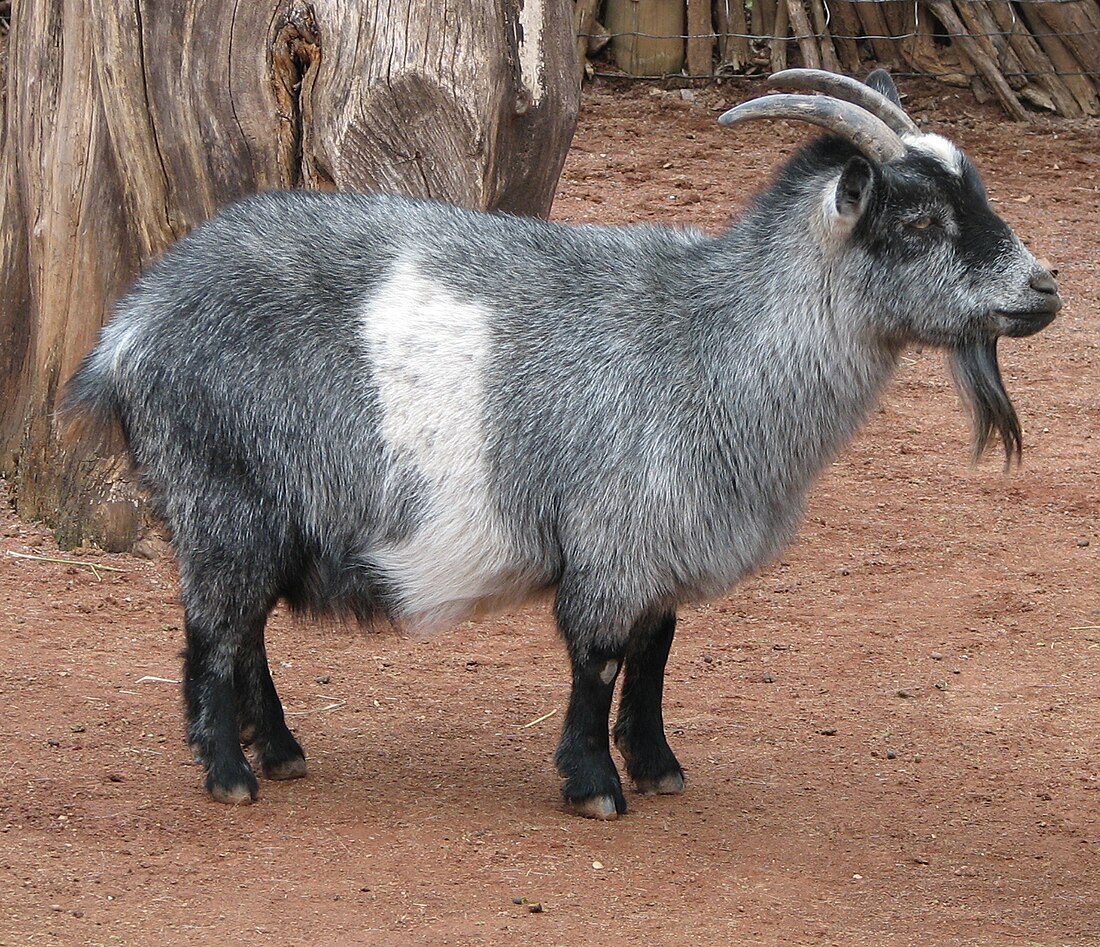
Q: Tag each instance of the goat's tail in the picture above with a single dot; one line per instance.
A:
(90, 400)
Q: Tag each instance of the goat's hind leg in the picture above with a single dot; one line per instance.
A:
(640, 728)
(262, 725)
(210, 696)
(227, 688)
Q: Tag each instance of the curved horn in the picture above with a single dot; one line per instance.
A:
(850, 90)
(868, 133)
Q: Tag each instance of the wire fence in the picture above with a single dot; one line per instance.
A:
(1045, 53)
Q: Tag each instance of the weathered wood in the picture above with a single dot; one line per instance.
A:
(128, 122)
(900, 17)
(763, 17)
(1073, 21)
(1081, 87)
(733, 25)
(779, 37)
(847, 27)
(803, 34)
(992, 50)
(980, 24)
(878, 31)
(1035, 62)
(921, 54)
(825, 42)
(700, 44)
(982, 62)
(584, 21)
(647, 35)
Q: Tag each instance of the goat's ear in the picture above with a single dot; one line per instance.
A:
(852, 193)
(881, 81)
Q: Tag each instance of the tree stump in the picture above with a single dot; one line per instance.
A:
(128, 122)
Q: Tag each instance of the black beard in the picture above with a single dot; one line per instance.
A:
(977, 375)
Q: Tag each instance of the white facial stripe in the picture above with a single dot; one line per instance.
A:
(428, 351)
(939, 147)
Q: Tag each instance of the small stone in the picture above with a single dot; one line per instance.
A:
(115, 778)
(1082, 543)
(535, 908)
(768, 678)
(78, 913)
(597, 865)
(708, 659)
(940, 685)
(519, 900)
(324, 679)
(845, 572)
(891, 754)
(147, 549)
(781, 647)
(905, 693)
(52, 742)
(937, 656)
(828, 732)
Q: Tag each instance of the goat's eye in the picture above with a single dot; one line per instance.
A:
(921, 223)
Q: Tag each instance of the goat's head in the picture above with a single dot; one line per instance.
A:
(905, 222)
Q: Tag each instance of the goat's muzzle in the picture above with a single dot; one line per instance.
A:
(1043, 304)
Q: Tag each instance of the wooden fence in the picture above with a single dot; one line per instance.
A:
(1031, 55)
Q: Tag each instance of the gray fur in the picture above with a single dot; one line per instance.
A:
(655, 406)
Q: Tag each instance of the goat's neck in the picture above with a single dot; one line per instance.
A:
(795, 367)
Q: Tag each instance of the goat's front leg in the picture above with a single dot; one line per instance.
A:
(591, 625)
(592, 785)
(640, 727)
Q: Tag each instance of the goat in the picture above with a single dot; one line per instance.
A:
(396, 409)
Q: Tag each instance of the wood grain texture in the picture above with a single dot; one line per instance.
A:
(128, 122)
(700, 45)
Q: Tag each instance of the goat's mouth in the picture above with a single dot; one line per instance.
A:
(1021, 324)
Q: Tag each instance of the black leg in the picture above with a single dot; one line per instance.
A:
(260, 712)
(210, 698)
(592, 785)
(640, 728)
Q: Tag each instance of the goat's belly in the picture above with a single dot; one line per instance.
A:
(428, 354)
(448, 571)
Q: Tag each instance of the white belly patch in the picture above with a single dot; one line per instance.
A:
(428, 351)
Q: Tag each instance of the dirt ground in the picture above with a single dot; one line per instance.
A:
(890, 735)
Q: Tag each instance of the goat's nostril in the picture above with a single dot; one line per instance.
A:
(1043, 282)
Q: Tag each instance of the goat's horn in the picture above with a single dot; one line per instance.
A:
(848, 89)
(868, 133)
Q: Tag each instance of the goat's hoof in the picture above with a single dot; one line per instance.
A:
(595, 807)
(238, 795)
(670, 784)
(293, 768)
(234, 785)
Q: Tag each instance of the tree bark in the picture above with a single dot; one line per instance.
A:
(128, 122)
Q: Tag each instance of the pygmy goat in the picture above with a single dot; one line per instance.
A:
(393, 408)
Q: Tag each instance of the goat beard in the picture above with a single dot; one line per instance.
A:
(977, 375)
